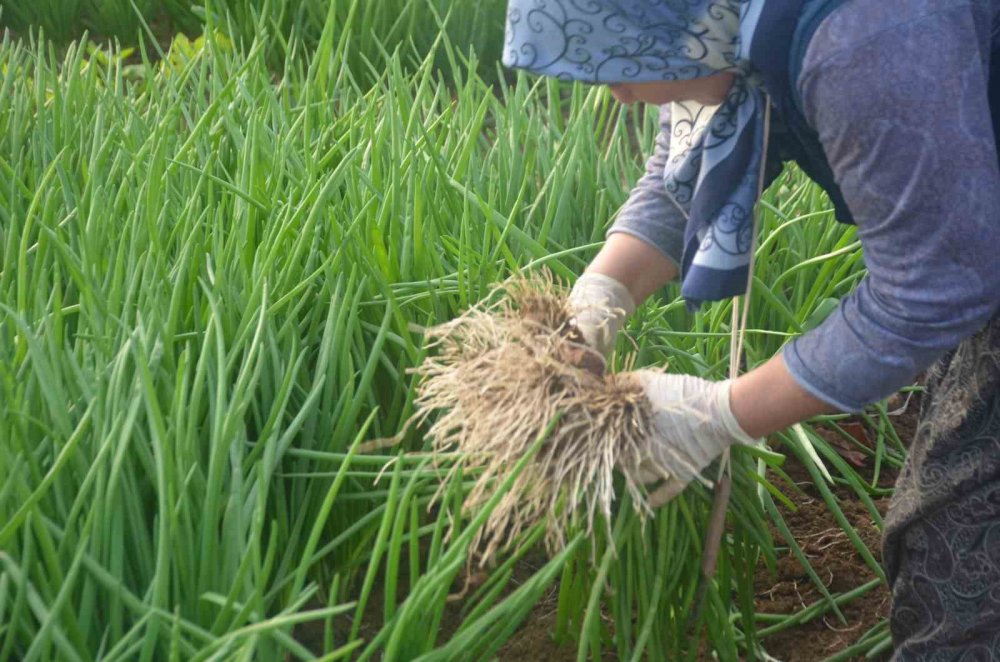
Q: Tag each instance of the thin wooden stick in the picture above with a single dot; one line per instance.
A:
(723, 486)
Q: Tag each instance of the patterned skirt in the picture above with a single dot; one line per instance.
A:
(942, 532)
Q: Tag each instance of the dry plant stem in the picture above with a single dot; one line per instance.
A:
(713, 541)
(498, 375)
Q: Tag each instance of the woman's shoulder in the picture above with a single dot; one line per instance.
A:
(855, 25)
(891, 58)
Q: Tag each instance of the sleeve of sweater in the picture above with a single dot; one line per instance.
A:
(899, 99)
(649, 214)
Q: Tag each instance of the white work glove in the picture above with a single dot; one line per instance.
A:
(692, 425)
(600, 305)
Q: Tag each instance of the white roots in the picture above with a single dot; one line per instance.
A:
(498, 375)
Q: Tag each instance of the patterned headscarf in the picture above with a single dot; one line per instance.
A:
(715, 151)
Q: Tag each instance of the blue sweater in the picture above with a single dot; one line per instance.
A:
(897, 95)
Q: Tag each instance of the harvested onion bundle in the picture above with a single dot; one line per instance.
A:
(498, 375)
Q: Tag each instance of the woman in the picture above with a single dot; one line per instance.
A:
(887, 105)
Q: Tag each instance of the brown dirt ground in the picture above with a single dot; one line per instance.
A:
(831, 554)
(835, 560)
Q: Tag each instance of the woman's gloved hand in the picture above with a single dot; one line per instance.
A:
(600, 305)
(692, 424)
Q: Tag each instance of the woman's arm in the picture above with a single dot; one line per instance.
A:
(634, 263)
(650, 218)
(912, 148)
(764, 400)
(899, 100)
(640, 255)
(768, 399)
(647, 230)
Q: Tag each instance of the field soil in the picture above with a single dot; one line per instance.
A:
(831, 553)
(839, 566)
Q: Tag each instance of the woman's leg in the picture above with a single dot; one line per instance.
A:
(942, 536)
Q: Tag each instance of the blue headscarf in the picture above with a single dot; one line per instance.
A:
(715, 151)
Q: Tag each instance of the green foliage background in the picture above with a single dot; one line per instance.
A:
(289, 28)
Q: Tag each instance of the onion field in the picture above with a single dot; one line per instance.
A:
(223, 228)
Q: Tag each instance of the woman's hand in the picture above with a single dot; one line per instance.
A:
(695, 420)
(767, 399)
(621, 276)
(600, 305)
(692, 425)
